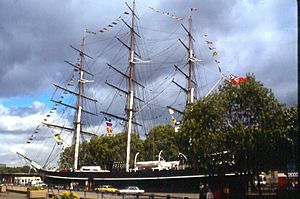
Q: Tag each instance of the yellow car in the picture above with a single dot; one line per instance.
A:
(106, 189)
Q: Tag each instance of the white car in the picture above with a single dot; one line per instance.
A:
(130, 190)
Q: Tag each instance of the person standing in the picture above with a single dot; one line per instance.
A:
(202, 191)
(209, 194)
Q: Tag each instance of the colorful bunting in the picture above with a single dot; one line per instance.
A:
(107, 119)
(209, 42)
(214, 53)
(58, 139)
(90, 32)
(165, 13)
(109, 130)
(112, 24)
(108, 125)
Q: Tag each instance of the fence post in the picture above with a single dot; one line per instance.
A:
(168, 196)
(151, 196)
(84, 193)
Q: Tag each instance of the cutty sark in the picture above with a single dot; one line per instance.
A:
(156, 175)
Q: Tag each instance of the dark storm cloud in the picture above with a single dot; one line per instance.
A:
(28, 32)
(34, 41)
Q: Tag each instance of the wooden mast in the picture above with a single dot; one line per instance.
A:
(191, 84)
(190, 97)
(130, 90)
(79, 107)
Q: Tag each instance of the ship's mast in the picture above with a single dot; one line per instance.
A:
(130, 90)
(79, 107)
(190, 94)
(191, 83)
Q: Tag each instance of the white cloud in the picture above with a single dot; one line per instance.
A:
(9, 122)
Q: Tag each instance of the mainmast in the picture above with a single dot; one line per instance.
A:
(79, 107)
(130, 90)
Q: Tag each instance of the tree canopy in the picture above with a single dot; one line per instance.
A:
(243, 126)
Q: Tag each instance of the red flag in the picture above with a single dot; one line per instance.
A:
(238, 80)
(243, 79)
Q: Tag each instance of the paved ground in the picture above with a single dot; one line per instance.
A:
(19, 192)
(12, 195)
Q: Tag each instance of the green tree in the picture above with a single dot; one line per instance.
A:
(67, 158)
(246, 121)
(102, 151)
(292, 128)
(23, 169)
(161, 138)
(201, 132)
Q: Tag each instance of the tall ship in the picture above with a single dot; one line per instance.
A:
(78, 109)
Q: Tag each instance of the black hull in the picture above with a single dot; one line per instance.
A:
(157, 181)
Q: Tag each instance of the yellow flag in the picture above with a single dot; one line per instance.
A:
(174, 120)
(214, 53)
(57, 138)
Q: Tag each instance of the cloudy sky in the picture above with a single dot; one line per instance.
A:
(256, 36)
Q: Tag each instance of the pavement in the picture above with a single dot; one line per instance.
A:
(13, 195)
(19, 192)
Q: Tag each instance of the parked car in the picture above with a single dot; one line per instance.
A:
(130, 190)
(106, 189)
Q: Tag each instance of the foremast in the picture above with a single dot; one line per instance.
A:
(130, 89)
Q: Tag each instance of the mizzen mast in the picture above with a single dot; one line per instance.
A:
(191, 89)
(191, 84)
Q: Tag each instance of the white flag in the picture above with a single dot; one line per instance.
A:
(171, 111)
